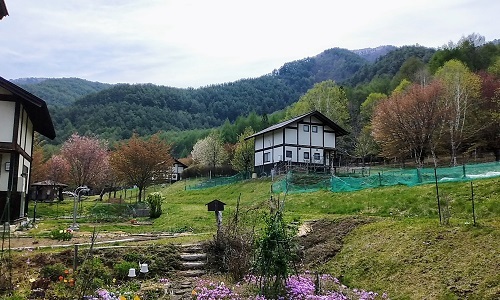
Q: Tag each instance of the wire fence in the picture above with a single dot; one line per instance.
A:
(295, 182)
(217, 181)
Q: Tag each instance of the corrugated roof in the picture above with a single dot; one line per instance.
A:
(338, 130)
(35, 107)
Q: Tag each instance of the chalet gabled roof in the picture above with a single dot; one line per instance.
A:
(179, 163)
(49, 183)
(338, 130)
(3, 9)
(35, 107)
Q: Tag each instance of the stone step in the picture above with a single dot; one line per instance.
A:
(193, 256)
(193, 265)
(191, 273)
(192, 248)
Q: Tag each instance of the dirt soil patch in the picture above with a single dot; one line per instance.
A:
(20, 242)
(323, 239)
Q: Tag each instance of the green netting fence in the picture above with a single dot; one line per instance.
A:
(216, 181)
(299, 182)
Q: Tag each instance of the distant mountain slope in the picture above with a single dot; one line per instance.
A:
(389, 64)
(371, 54)
(60, 91)
(117, 111)
(336, 64)
(29, 80)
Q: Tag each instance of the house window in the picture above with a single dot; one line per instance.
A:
(314, 128)
(316, 156)
(306, 155)
(288, 154)
(266, 157)
(306, 128)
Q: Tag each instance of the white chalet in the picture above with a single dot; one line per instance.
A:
(21, 113)
(177, 169)
(309, 139)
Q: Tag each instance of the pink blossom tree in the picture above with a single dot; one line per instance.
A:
(57, 169)
(88, 160)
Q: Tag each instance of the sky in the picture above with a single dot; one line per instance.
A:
(193, 43)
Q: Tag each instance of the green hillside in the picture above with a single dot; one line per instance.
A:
(385, 239)
(399, 248)
(115, 112)
(61, 91)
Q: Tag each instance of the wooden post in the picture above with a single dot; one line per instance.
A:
(472, 198)
(75, 258)
(218, 219)
(437, 195)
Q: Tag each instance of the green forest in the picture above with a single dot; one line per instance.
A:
(185, 115)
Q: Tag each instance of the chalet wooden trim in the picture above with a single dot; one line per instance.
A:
(7, 147)
(23, 153)
(291, 136)
(8, 97)
(15, 128)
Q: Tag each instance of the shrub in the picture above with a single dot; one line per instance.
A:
(120, 270)
(155, 200)
(201, 171)
(53, 271)
(132, 257)
(61, 234)
(92, 275)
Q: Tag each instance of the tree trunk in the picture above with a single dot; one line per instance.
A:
(496, 152)
(139, 197)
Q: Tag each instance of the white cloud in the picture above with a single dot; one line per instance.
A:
(196, 42)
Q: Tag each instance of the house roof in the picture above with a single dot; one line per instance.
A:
(49, 183)
(338, 130)
(178, 162)
(35, 107)
(3, 9)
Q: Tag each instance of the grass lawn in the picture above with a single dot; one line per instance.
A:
(404, 251)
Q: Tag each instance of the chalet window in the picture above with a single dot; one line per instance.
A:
(316, 156)
(266, 157)
(314, 128)
(288, 154)
(306, 155)
(306, 128)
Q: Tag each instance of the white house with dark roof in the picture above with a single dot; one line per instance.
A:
(177, 169)
(309, 139)
(21, 114)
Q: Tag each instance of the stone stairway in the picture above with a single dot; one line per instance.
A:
(193, 259)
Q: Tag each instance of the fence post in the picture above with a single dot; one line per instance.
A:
(472, 198)
(437, 195)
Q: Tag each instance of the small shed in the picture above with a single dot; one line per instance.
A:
(215, 205)
(47, 190)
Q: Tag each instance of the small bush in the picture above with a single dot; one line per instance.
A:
(120, 270)
(61, 234)
(93, 274)
(155, 200)
(53, 271)
(132, 257)
(201, 171)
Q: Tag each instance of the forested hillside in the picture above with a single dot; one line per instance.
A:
(116, 112)
(60, 91)
(358, 78)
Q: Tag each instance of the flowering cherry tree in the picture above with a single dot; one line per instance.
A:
(87, 158)
(57, 168)
(210, 151)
